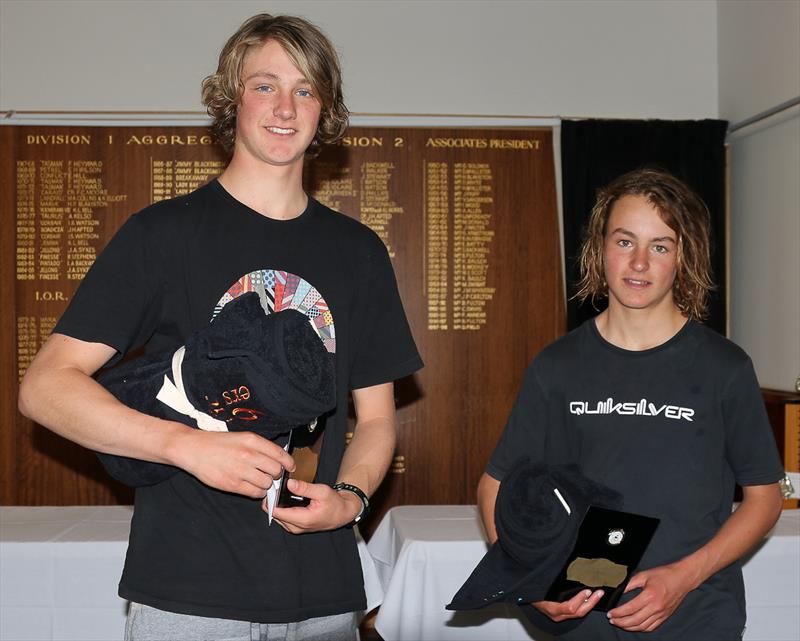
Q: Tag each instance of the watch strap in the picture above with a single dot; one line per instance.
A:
(347, 487)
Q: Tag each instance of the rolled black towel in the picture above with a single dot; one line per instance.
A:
(245, 371)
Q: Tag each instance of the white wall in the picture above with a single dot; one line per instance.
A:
(590, 58)
(759, 67)
(577, 58)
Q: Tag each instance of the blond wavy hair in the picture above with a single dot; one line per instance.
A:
(308, 49)
(682, 210)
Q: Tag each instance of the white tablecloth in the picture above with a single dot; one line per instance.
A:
(59, 570)
(424, 554)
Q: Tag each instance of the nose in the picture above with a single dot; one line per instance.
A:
(284, 106)
(639, 260)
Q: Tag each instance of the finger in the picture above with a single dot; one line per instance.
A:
(249, 489)
(629, 608)
(637, 623)
(631, 621)
(576, 603)
(266, 465)
(279, 522)
(259, 479)
(266, 450)
(654, 623)
(293, 518)
(313, 491)
(278, 454)
(572, 608)
(589, 603)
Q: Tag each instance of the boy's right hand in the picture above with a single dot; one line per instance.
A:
(577, 607)
(239, 462)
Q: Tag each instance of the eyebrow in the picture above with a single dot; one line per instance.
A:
(659, 239)
(268, 75)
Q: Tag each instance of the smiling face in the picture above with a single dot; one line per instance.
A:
(640, 257)
(278, 112)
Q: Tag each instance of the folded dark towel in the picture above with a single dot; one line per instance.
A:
(248, 370)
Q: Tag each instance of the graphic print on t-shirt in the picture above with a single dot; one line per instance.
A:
(641, 407)
(280, 290)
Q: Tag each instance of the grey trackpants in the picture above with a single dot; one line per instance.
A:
(150, 624)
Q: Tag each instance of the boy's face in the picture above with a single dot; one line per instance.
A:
(640, 256)
(278, 112)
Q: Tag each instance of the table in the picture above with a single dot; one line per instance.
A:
(423, 555)
(772, 583)
(59, 570)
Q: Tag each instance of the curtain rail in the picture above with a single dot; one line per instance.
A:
(761, 115)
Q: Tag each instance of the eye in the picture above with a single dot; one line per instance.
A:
(305, 93)
(624, 242)
(263, 88)
(660, 249)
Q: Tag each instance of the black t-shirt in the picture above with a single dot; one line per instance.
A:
(671, 428)
(193, 549)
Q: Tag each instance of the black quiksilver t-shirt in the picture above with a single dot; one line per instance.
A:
(164, 275)
(673, 429)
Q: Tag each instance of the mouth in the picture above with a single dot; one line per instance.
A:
(280, 131)
(633, 282)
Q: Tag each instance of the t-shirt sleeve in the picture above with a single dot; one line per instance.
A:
(384, 347)
(749, 443)
(117, 303)
(524, 433)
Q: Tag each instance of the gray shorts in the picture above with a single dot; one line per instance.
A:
(150, 624)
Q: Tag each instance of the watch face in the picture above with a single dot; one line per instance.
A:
(616, 536)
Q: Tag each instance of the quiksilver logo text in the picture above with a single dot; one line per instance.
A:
(642, 408)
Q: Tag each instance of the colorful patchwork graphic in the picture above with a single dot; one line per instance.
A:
(279, 290)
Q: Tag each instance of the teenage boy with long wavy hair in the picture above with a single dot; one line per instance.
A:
(702, 428)
(202, 561)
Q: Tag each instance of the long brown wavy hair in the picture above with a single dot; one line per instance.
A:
(308, 49)
(682, 210)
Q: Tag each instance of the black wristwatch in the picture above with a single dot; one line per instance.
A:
(346, 487)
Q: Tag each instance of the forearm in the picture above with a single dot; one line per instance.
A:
(72, 404)
(59, 392)
(758, 512)
(364, 465)
(487, 496)
(369, 453)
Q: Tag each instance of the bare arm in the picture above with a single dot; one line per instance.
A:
(58, 391)
(370, 452)
(663, 588)
(488, 487)
(364, 465)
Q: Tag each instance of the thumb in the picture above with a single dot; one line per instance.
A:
(308, 490)
(639, 580)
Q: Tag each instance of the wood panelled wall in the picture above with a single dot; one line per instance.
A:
(469, 217)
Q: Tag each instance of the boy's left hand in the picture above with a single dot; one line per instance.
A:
(328, 509)
(662, 590)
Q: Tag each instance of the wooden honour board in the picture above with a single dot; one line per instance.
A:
(470, 220)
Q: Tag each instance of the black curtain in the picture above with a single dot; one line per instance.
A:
(594, 152)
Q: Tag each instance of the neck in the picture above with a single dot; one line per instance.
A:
(274, 192)
(639, 329)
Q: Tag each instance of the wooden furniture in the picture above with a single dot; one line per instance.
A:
(783, 409)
